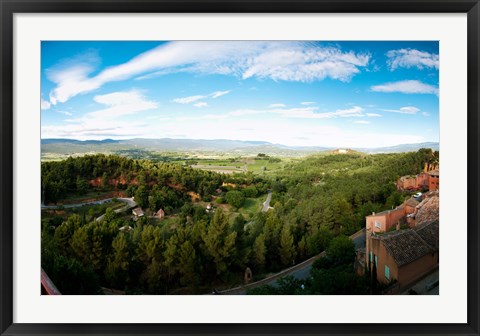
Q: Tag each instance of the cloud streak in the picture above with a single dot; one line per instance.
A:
(405, 110)
(192, 99)
(219, 94)
(188, 100)
(67, 113)
(200, 104)
(278, 105)
(303, 112)
(278, 61)
(408, 58)
(407, 87)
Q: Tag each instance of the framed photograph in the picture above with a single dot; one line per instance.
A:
(236, 167)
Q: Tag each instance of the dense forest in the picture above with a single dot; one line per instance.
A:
(314, 201)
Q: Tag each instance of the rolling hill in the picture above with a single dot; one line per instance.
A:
(71, 146)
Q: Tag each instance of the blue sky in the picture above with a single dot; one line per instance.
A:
(297, 93)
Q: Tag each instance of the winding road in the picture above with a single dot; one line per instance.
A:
(130, 202)
(266, 204)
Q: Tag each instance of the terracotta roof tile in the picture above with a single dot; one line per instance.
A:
(428, 210)
(412, 202)
(429, 233)
(404, 246)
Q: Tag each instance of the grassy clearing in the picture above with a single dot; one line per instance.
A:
(220, 169)
(264, 165)
(251, 164)
(250, 207)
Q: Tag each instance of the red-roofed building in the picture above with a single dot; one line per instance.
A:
(404, 256)
(428, 179)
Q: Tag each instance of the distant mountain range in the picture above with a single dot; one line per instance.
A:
(71, 146)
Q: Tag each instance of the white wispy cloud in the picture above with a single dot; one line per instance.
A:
(219, 94)
(106, 122)
(404, 110)
(192, 99)
(67, 113)
(303, 112)
(44, 105)
(426, 114)
(188, 100)
(361, 122)
(406, 86)
(120, 104)
(278, 105)
(200, 104)
(307, 103)
(373, 115)
(286, 61)
(408, 58)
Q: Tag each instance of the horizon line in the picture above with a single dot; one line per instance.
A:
(267, 142)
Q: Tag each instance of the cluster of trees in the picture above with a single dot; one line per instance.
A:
(314, 200)
(331, 275)
(101, 172)
(194, 249)
(197, 251)
(331, 195)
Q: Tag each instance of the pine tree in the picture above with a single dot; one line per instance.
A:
(219, 244)
(104, 181)
(259, 251)
(117, 268)
(170, 257)
(153, 277)
(287, 247)
(186, 264)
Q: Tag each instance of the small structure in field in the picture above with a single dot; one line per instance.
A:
(126, 228)
(210, 208)
(138, 212)
(248, 276)
(160, 214)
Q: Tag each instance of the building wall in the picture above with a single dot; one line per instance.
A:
(406, 274)
(394, 216)
(434, 182)
(383, 259)
(380, 220)
(415, 270)
(405, 183)
(386, 221)
(370, 227)
(422, 180)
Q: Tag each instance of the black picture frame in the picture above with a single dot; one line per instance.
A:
(10, 7)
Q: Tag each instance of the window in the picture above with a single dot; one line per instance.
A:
(387, 272)
(378, 225)
(371, 256)
(376, 261)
